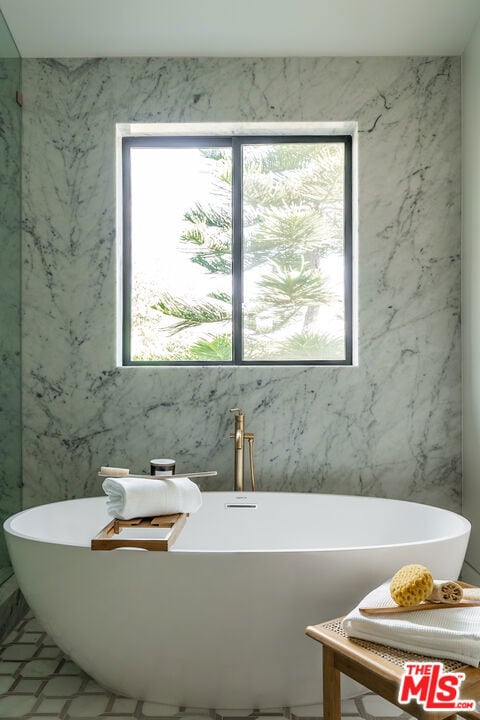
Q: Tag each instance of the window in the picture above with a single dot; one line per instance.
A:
(237, 250)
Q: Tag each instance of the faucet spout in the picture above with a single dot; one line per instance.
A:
(239, 440)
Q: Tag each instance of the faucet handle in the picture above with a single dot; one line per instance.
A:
(237, 411)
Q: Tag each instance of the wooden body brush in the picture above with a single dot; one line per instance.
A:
(413, 588)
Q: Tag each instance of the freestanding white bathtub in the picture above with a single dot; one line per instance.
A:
(219, 621)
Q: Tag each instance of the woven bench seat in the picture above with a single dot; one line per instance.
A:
(380, 669)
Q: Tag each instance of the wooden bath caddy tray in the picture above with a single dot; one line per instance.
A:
(109, 538)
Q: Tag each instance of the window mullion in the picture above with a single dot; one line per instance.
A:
(237, 255)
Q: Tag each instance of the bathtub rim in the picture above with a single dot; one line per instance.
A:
(464, 529)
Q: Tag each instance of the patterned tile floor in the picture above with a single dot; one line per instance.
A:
(38, 681)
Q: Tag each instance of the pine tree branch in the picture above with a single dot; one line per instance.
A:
(190, 315)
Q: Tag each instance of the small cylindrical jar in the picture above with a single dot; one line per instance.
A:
(162, 467)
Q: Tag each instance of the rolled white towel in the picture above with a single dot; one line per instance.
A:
(129, 498)
(451, 633)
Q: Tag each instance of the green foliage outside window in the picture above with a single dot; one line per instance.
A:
(293, 225)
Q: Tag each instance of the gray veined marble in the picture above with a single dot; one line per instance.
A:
(389, 427)
(10, 287)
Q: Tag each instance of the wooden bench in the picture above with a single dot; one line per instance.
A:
(380, 669)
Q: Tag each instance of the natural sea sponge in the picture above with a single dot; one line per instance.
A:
(411, 584)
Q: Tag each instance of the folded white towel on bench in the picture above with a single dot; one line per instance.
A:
(451, 633)
(129, 498)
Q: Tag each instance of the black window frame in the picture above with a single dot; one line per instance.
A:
(235, 142)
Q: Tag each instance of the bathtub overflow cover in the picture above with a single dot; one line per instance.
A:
(251, 506)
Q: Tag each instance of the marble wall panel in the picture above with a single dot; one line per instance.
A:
(389, 427)
(10, 287)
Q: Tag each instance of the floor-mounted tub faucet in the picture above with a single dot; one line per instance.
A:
(240, 436)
